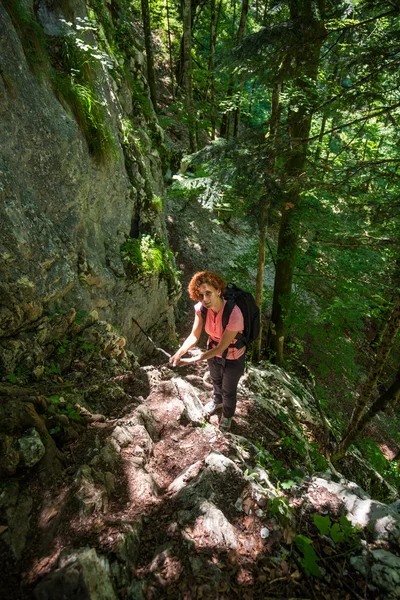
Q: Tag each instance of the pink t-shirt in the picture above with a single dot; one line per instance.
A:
(215, 330)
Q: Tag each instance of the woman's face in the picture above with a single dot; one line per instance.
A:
(209, 296)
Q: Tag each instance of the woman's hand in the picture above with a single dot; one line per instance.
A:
(175, 360)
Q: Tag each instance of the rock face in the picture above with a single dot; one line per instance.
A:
(81, 574)
(63, 213)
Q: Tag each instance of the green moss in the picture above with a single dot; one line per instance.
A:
(31, 34)
(146, 256)
(71, 75)
(88, 113)
(75, 87)
(157, 204)
(104, 18)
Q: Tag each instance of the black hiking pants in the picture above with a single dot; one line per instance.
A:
(225, 381)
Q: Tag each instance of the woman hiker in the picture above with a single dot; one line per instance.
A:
(208, 289)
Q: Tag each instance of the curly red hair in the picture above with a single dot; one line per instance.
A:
(208, 277)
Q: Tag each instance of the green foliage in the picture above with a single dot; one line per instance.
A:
(80, 315)
(54, 369)
(276, 468)
(371, 451)
(145, 256)
(76, 87)
(309, 560)
(31, 34)
(21, 374)
(157, 204)
(63, 407)
(340, 531)
(281, 510)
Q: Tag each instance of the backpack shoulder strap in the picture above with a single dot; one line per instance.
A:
(228, 308)
(204, 311)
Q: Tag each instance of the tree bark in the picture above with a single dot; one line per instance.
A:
(263, 225)
(224, 131)
(305, 60)
(214, 22)
(391, 395)
(187, 72)
(171, 63)
(179, 71)
(390, 332)
(149, 52)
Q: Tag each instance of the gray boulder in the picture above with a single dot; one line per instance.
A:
(31, 447)
(361, 510)
(81, 575)
(382, 569)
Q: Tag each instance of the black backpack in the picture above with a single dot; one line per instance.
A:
(235, 296)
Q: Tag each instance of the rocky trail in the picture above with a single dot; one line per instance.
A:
(133, 494)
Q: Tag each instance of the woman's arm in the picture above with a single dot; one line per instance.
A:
(190, 341)
(227, 338)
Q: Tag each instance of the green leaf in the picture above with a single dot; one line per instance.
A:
(288, 484)
(323, 524)
(309, 562)
(337, 535)
(346, 525)
(11, 378)
(54, 430)
(54, 399)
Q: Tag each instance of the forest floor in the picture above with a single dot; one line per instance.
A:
(239, 548)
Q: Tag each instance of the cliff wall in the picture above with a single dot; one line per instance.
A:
(80, 174)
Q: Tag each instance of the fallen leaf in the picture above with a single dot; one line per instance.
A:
(248, 521)
(50, 514)
(247, 505)
(285, 567)
(288, 535)
(289, 205)
(296, 575)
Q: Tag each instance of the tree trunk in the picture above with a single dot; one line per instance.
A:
(320, 139)
(187, 72)
(149, 52)
(214, 22)
(385, 347)
(224, 131)
(305, 60)
(391, 395)
(263, 226)
(171, 63)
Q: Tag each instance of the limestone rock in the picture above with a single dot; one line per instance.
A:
(216, 525)
(9, 454)
(221, 463)
(17, 505)
(354, 466)
(278, 391)
(31, 447)
(194, 410)
(382, 569)
(144, 416)
(81, 574)
(60, 206)
(92, 493)
(383, 520)
(188, 474)
(129, 546)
